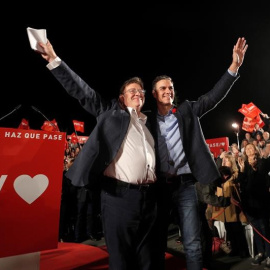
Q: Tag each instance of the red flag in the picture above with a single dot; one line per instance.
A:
(74, 138)
(250, 110)
(24, 124)
(248, 124)
(50, 126)
(78, 126)
(66, 144)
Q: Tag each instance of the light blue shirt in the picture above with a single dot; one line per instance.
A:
(170, 147)
(173, 160)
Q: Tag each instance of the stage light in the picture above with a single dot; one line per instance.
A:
(236, 131)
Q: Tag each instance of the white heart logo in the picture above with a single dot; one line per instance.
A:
(28, 188)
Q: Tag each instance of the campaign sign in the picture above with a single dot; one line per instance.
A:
(217, 143)
(31, 169)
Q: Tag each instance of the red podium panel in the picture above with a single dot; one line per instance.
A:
(31, 167)
(217, 143)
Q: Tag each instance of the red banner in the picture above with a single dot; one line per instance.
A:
(252, 116)
(30, 190)
(78, 126)
(249, 110)
(216, 144)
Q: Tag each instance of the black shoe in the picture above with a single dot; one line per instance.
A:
(258, 259)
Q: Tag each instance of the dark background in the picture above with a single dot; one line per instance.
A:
(110, 43)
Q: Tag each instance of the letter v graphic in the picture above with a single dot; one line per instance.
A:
(2, 180)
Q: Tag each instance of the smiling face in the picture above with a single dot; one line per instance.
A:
(164, 92)
(133, 96)
(250, 149)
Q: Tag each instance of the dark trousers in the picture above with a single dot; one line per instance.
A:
(67, 211)
(88, 225)
(236, 236)
(180, 196)
(261, 232)
(129, 220)
(206, 236)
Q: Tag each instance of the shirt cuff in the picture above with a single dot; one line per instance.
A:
(54, 64)
(234, 74)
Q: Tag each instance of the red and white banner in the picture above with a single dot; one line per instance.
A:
(77, 139)
(252, 116)
(217, 143)
(249, 110)
(30, 190)
(78, 126)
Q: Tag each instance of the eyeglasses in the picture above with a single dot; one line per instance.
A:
(133, 91)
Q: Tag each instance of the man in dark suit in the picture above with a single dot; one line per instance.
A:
(183, 156)
(121, 149)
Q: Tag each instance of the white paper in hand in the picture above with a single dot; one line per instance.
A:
(35, 36)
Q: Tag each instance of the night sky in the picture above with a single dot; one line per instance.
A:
(108, 44)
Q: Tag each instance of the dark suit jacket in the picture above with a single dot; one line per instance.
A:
(188, 114)
(108, 134)
(112, 124)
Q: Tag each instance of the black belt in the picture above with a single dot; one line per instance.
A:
(179, 179)
(109, 182)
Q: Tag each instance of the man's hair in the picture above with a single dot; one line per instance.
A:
(166, 77)
(130, 81)
(159, 78)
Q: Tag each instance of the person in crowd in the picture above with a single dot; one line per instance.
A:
(255, 200)
(248, 137)
(266, 120)
(235, 234)
(261, 144)
(183, 157)
(243, 145)
(207, 196)
(257, 130)
(235, 151)
(266, 136)
(266, 150)
(67, 205)
(220, 157)
(258, 136)
(121, 150)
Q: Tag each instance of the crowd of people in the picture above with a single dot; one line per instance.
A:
(247, 182)
(145, 165)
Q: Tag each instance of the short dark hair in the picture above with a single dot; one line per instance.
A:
(159, 78)
(137, 80)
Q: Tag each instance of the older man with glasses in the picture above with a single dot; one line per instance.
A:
(121, 151)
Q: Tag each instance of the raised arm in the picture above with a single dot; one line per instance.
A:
(239, 50)
(49, 53)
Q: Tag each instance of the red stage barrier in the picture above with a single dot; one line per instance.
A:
(30, 190)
